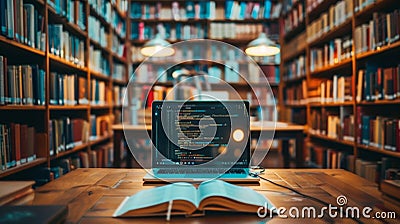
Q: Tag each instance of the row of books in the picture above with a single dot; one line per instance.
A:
(377, 83)
(119, 71)
(66, 133)
(234, 30)
(331, 53)
(379, 170)
(99, 157)
(295, 115)
(102, 8)
(380, 132)
(73, 10)
(229, 71)
(66, 45)
(97, 32)
(185, 11)
(294, 17)
(337, 90)
(172, 32)
(333, 124)
(240, 10)
(359, 5)
(382, 30)
(23, 23)
(322, 157)
(18, 144)
(119, 25)
(121, 5)
(67, 89)
(99, 94)
(334, 17)
(118, 46)
(118, 96)
(295, 68)
(21, 84)
(296, 94)
(287, 5)
(100, 126)
(233, 10)
(98, 62)
(84, 159)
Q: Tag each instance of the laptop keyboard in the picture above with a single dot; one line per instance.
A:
(208, 170)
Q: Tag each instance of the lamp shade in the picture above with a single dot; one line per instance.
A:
(262, 46)
(157, 47)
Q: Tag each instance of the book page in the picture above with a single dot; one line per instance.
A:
(158, 195)
(223, 189)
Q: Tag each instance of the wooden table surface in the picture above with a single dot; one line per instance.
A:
(92, 195)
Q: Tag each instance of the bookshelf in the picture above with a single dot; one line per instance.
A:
(216, 20)
(364, 59)
(92, 49)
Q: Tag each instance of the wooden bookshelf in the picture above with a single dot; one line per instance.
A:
(39, 115)
(350, 66)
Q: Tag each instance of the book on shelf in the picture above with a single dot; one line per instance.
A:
(118, 47)
(379, 132)
(118, 24)
(67, 89)
(336, 15)
(66, 133)
(378, 83)
(359, 5)
(100, 156)
(295, 115)
(331, 53)
(169, 31)
(100, 126)
(16, 193)
(293, 17)
(336, 125)
(185, 199)
(232, 30)
(21, 84)
(99, 92)
(73, 11)
(295, 68)
(378, 171)
(19, 144)
(66, 45)
(118, 96)
(98, 61)
(296, 94)
(382, 30)
(97, 32)
(119, 71)
(337, 90)
(325, 157)
(103, 9)
(23, 23)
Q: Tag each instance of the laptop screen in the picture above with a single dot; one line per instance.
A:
(205, 133)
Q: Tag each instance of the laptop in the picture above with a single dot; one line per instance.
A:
(194, 141)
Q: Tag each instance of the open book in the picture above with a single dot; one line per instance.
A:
(186, 199)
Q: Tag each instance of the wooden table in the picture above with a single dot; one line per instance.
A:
(282, 131)
(92, 195)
